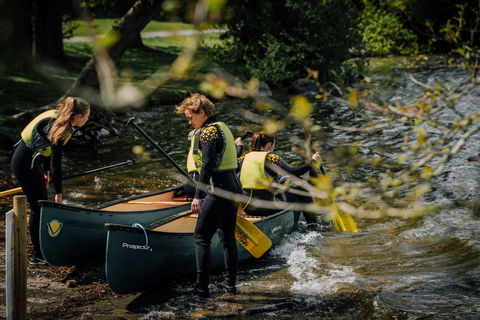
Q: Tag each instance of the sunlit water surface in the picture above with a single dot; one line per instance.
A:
(425, 267)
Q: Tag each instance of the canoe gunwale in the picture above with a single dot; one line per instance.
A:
(99, 208)
(137, 196)
(121, 227)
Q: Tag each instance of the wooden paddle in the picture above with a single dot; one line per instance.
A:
(19, 189)
(245, 229)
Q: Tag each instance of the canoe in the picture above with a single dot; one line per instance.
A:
(139, 258)
(71, 235)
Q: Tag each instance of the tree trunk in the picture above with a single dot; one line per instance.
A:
(15, 32)
(137, 42)
(47, 31)
(127, 28)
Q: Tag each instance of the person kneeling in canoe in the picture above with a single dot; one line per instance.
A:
(257, 172)
(40, 149)
(214, 153)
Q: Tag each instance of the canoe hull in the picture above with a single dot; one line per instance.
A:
(71, 235)
(138, 259)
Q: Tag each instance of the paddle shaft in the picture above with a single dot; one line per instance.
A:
(246, 134)
(113, 166)
(190, 180)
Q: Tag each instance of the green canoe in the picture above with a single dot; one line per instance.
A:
(71, 235)
(138, 258)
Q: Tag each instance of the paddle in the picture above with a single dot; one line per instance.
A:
(342, 222)
(131, 122)
(246, 229)
(249, 236)
(19, 189)
(246, 134)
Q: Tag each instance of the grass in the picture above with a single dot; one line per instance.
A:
(25, 90)
(79, 28)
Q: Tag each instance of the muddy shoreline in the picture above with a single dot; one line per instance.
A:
(53, 292)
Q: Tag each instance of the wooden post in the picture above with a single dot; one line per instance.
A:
(20, 259)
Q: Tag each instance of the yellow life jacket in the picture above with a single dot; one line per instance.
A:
(34, 139)
(191, 166)
(253, 175)
(226, 159)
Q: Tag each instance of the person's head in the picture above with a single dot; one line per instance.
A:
(72, 112)
(197, 108)
(262, 142)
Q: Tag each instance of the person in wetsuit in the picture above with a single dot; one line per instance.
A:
(257, 173)
(39, 152)
(214, 153)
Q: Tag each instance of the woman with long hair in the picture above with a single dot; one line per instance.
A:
(39, 153)
(257, 172)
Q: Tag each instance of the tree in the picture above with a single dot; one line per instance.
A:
(15, 32)
(47, 31)
(280, 40)
(116, 42)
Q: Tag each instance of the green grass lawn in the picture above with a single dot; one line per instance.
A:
(26, 90)
(80, 28)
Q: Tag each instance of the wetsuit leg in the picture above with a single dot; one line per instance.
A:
(226, 233)
(214, 209)
(32, 181)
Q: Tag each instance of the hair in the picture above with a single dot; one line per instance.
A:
(195, 103)
(69, 108)
(260, 140)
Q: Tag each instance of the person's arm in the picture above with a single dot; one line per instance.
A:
(239, 144)
(46, 171)
(297, 171)
(240, 163)
(56, 169)
(208, 144)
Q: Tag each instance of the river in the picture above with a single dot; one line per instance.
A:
(395, 268)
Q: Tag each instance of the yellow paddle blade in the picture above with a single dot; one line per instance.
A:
(337, 221)
(350, 225)
(252, 238)
(343, 222)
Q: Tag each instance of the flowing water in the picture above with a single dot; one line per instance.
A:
(414, 268)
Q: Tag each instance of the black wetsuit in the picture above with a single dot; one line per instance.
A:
(265, 194)
(217, 213)
(32, 180)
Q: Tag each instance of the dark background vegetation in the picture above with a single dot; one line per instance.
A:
(276, 42)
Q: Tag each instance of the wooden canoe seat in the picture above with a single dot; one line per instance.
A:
(187, 224)
(166, 203)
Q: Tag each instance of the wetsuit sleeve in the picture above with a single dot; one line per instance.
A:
(46, 164)
(239, 151)
(209, 141)
(297, 171)
(56, 165)
(240, 163)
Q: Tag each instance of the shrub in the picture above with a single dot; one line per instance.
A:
(280, 40)
(384, 31)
